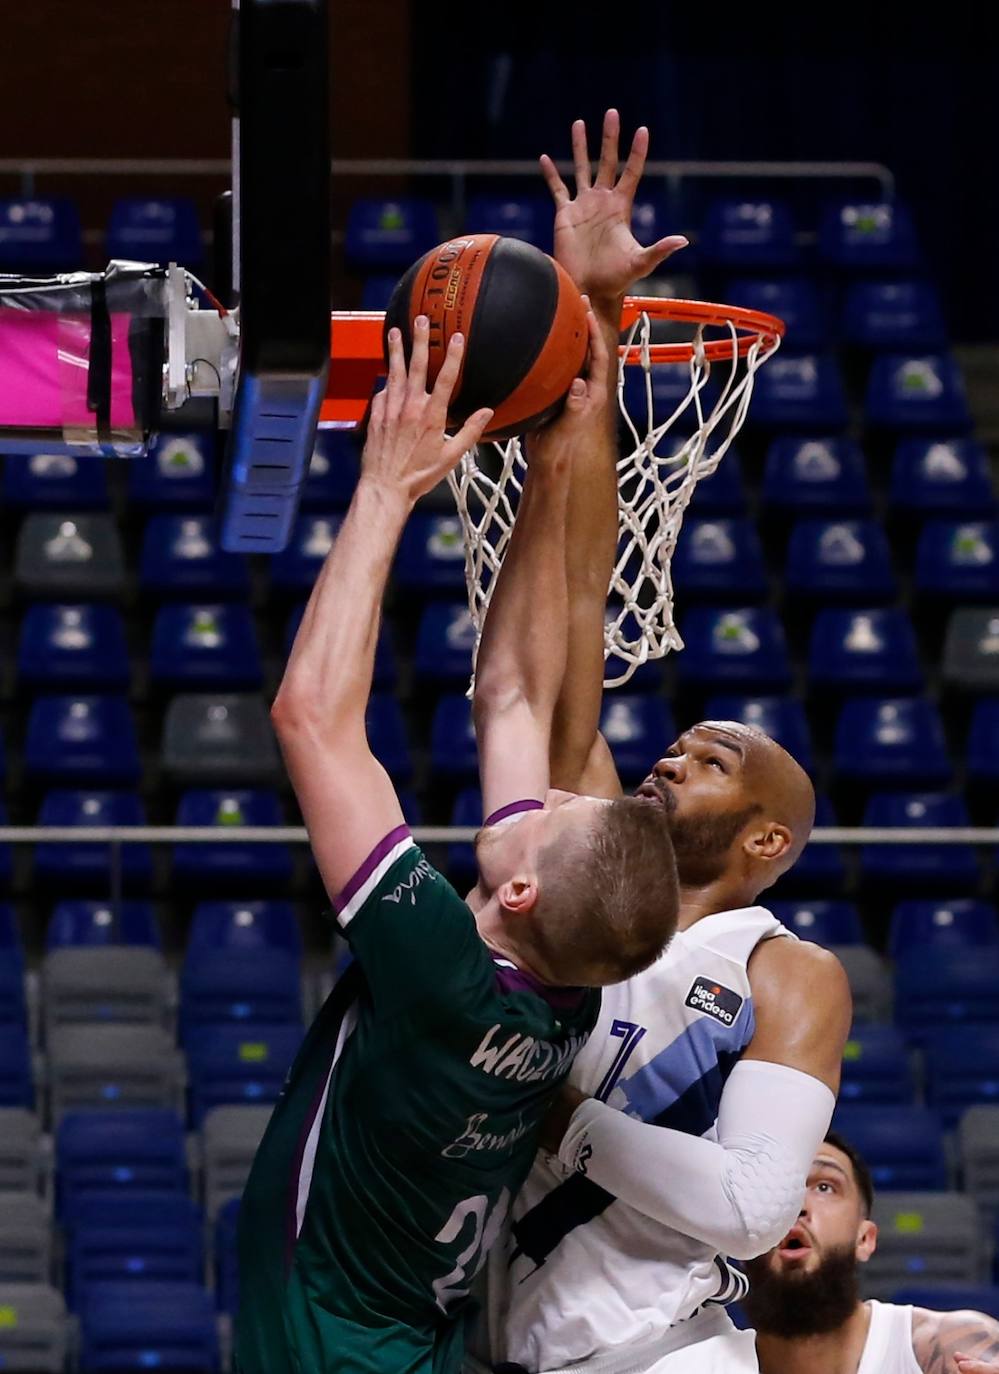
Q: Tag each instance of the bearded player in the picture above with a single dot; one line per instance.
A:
(697, 1106)
(804, 1297)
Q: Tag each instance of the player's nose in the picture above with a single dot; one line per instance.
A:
(672, 767)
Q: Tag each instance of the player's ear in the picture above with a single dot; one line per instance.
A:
(769, 842)
(518, 895)
(867, 1241)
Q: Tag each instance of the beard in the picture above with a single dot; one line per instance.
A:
(701, 844)
(794, 1303)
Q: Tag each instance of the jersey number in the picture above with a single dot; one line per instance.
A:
(629, 1033)
(485, 1230)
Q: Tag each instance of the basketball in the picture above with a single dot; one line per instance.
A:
(523, 319)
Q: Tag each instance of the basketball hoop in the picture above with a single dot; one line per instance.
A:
(656, 475)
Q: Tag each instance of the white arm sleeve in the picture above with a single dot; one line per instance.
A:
(740, 1194)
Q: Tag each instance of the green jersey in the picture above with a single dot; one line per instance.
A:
(409, 1119)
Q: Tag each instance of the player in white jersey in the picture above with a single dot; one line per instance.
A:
(804, 1297)
(724, 1056)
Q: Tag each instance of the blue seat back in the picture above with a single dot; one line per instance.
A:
(822, 477)
(16, 1078)
(983, 741)
(825, 922)
(638, 730)
(962, 1068)
(181, 557)
(333, 470)
(792, 300)
(76, 647)
(77, 922)
(918, 393)
(840, 560)
(54, 481)
(942, 477)
(178, 473)
(936, 986)
(210, 645)
(162, 230)
(387, 736)
(803, 393)
(959, 923)
(958, 560)
(40, 235)
(236, 986)
(453, 752)
(82, 739)
(868, 236)
(383, 233)
(892, 742)
(161, 1324)
(431, 555)
(782, 718)
(877, 1067)
(918, 867)
(264, 925)
(132, 1149)
(739, 650)
(743, 232)
(871, 650)
(239, 866)
(529, 218)
(234, 1064)
(903, 1145)
(720, 559)
(444, 644)
(898, 316)
(723, 492)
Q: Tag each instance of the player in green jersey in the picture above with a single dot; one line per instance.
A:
(411, 1114)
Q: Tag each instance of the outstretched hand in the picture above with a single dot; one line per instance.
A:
(406, 445)
(593, 237)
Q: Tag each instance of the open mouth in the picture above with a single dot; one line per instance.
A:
(650, 792)
(795, 1243)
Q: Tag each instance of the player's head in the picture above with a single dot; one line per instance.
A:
(585, 889)
(807, 1285)
(739, 807)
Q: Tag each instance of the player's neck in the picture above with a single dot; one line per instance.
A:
(835, 1352)
(698, 902)
(496, 937)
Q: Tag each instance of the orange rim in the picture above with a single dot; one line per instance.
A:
(356, 360)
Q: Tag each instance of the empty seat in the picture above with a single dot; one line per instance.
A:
(950, 1297)
(870, 984)
(638, 729)
(163, 230)
(75, 922)
(891, 742)
(11, 946)
(941, 477)
(517, 217)
(234, 985)
(296, 568)
(387, 737)
(895, 316)
(741, 233)
(170, 1325)
(81, 740)
(22, 1165)
(820, 477)
(334, 467)
(670, 386)
(383, 233)
(837, 561)
(54, 481)
(205, 647)
(139, 1238)
(461, 866)
(720, 559)
(385, 672)
(794, 301)
(234, 866)
(962, 1069)
(802, 393)
(958, 561)
(87, 867)
(76, 648)
(244, 925)
(942, 924)
(100, 1067)
(178, 473)
(238, 1064)
(868, 236)
(978, 1141)
(227, 1257)
(181, 557)
(17, 1087)
(40, 235)
(971, 662)
(102, 1153)
(376, 292)
(871, 650)
(445, 641)
(738, 650)
(877, 1067)
(431, 555)
(69, 556)
(220, 738)
(937, 986)
(35, 1334)
(120, 984)
(826, 922)
(25, 1240)
(723, 491)
(983, 743)
(917, 393)
(916, 869)
(782, 718)
(229, 1140)
(453, 752)
(903, 1145)
(925, 1236)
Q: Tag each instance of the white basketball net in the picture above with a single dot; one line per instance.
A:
(656, 480)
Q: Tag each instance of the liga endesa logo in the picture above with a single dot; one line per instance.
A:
(713, 999)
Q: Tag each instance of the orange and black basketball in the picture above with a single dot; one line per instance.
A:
(523, 320)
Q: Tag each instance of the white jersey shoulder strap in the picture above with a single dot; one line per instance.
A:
(888, 1349)
(735, 934)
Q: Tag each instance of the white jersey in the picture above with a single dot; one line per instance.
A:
(581, 1273)
(888, 1349)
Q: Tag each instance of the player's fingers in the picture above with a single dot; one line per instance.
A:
(580, 156)
(418, 358)
(576, 398)
(635, 166)
(555, 184)
(607, 170)
(446, 378)
(395, 387)
(659, 252)
(467, 437)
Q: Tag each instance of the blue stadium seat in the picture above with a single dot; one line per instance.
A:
(40, 236)
(162, 231)
(453, 753)
(75, 648)
(244, 925)
(227, 1257)
(296, 568)
(17, 1087)
(794, 301)
(724, 492)
(903, 1145)
(530, 218)
(737, 650)
(444, 643)
(896, 316)
(333, 471)
(11, 948)
(431, 555)
(129, 1150)
(921, 868)
(143, 1238)
(943, 924)
(670, 386)
(233, 1064)
(830, 561)
(891, 742)
(864, 651)
(386, 670)
(467, 810)
(237, 985)
(720, 559)
(950, 1297)
(81, 740)
(387, 737)
(948, 477)
(177, 474)
(917, 393)
(982, 753)
(958, 561)
(137, 1326)
(54, 481)
(376, 292)
(803, 393)
(864, 236)
(181, 557)
(233, 866)
(740, 233)
(205, 646)
(81, 922)
(638, 729)
(820, 477)
(651, 220)
(877, 1068)
(87, 867)
(386, 233)
(962, 1068)
(935, 986)
(782, 718)
(13, 1003)
(824, 922)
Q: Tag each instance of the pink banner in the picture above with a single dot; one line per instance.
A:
(43, 370)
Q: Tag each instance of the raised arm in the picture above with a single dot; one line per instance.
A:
(348, 801)
(522, 656)
(594, 243)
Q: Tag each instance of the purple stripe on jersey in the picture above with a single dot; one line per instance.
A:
(401, 832)
(512, 808)
(510, 979)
